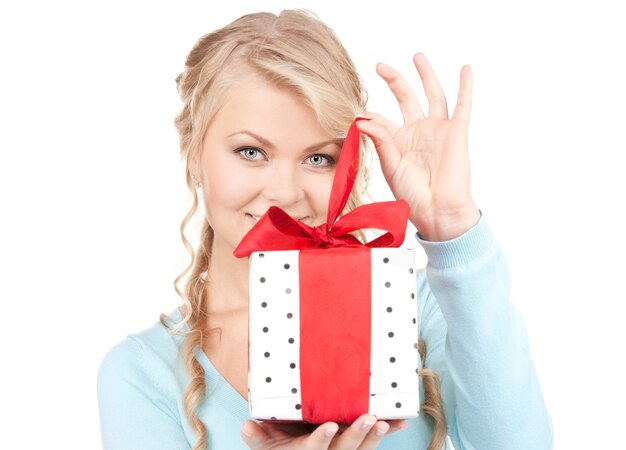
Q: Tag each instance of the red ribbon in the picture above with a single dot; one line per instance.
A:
(276, 230)
(335, 334)
(335, 311)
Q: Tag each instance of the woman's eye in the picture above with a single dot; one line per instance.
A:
(250, 153)
(321, 160)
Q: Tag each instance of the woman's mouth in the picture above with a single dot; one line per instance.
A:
(255, 218)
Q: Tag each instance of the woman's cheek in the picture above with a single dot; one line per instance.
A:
(234, 182)
(320, 190)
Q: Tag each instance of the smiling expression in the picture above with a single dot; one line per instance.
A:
(264, 148)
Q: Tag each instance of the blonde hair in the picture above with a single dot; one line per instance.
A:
(293, 50)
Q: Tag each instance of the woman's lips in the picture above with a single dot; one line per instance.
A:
(255, 218)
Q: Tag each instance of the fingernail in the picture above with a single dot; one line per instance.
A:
(245, 431)
(330, 431)
(381, 432)
(367, 424)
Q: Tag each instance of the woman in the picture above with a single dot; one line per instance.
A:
(267, 102)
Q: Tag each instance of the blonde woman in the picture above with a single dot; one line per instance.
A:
(267, 101)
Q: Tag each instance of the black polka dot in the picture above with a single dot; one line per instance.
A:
(417, 370)
(268, 380)
(266, 354)
(294, 391)
(292, 365)
(288, 290)
(398, 405)
(262, 280)
(298, 406)
(261, 255)
(372, 395)
(387, 284)
(389, 309)
(415, 345)
(291, 341)
(394, 385)
(287, 266)
(392, 359)
(385, 260)
(411, 271)
(390, 334)
(264, 304)
(273, 418)
(414, 320)
(289, 315)
(265, 329)
(412, 295)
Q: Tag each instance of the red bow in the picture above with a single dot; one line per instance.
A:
(276, 230)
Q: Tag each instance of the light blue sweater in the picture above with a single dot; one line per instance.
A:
(476, 342)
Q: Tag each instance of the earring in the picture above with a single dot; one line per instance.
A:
(196, 183)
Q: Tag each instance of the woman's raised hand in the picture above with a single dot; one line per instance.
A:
(426, 160)
(365, 433)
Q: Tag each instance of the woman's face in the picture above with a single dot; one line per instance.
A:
(265, 148)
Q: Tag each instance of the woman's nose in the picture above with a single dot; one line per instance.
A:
(282, 187)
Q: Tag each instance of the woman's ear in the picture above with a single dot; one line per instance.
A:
(196, 181)
(196, 175)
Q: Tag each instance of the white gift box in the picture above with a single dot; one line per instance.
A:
(274, 354)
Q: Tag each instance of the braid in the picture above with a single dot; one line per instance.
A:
(196, 312)
(433, 404)
(195, 392)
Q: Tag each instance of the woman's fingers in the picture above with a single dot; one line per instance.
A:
(396, 425)
(364, 434)
(464, 100)
(375, 435)
(437, 104)
(390, 126)
(321, 437)
(385, 145)
(253, 435)
(407, 100)
(282, 436)
(358, 435)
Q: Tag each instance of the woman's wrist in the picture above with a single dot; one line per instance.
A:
(445, 227)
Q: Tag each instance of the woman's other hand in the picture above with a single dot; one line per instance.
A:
(426, 160)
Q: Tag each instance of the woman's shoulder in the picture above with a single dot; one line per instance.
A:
(139, 389)
(148, 356)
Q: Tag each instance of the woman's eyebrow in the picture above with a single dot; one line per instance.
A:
(263, 141)
(269, 145)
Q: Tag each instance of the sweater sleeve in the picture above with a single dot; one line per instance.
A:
(478, 344)
(134, 412)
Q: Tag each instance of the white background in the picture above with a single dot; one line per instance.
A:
(92, 190)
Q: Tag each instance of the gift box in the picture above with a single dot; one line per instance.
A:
(332, 321)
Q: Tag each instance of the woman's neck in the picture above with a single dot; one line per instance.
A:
(227, 280)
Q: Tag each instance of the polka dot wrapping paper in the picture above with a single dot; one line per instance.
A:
(277, 367)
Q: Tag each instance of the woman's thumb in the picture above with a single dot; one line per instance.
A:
(253, 434)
